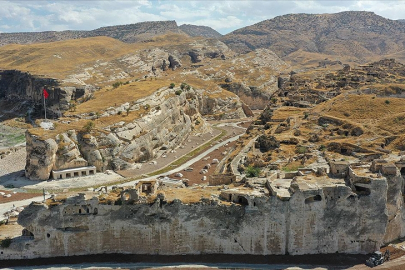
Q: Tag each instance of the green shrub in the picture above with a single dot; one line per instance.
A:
(172, 85)
(89, 126)
(5, 243)
(322, 147)
(252, 171)
(301, 149)
(178, 92)
(117, 84)
(387, 101)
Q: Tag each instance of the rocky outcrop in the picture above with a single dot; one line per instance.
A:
(123, 145)
(41, 157)
(18, 86)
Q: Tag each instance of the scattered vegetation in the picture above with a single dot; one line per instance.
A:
(301, 149)
(117, 84)
(185, 86)
(252, 171)
(72, 106)
(89, 126)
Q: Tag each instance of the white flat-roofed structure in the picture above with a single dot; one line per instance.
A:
(74, 172)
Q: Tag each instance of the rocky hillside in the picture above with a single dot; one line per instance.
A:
(199, 31)
(71, 70)
(127, 33)
(122, 137)
(360, 35)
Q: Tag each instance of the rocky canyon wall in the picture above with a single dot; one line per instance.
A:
(125, 145)
(18, 86)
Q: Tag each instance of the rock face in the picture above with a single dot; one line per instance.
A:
(41, 156)
(21, 86)
(314, 220)
(120, 146)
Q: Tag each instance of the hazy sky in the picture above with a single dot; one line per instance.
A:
(223, 16)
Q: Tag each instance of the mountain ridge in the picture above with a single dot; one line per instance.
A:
(355, 33)
(128, 33)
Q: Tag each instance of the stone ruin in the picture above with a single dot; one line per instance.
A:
(313, 210)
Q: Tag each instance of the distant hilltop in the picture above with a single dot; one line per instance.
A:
(129, 33)
(355, 33)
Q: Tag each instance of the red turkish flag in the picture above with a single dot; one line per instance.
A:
(46, 95)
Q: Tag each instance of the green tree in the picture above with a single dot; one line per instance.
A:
(252, 171)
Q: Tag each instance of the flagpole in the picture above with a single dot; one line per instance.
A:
(43, 94)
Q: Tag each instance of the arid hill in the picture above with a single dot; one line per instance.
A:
(129, 33)
(199, 31)
(359, 35)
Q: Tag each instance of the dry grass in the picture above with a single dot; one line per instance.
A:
(56, 59)
(285, 112)
(190, 195)
(115, 97)
(371, 111)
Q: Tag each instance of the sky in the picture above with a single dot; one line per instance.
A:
(223, 16)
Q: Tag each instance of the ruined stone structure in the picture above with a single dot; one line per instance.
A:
(303, 212)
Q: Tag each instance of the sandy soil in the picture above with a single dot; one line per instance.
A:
(18, 196)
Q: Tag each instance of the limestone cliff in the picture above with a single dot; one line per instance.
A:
(24, 88)
(169, 120)
(325, 219)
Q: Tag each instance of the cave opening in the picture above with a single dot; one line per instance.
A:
(242, 200)
(316, 198)
(362, 191)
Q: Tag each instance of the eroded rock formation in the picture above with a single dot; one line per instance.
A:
(121, 145)
(273, 216)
